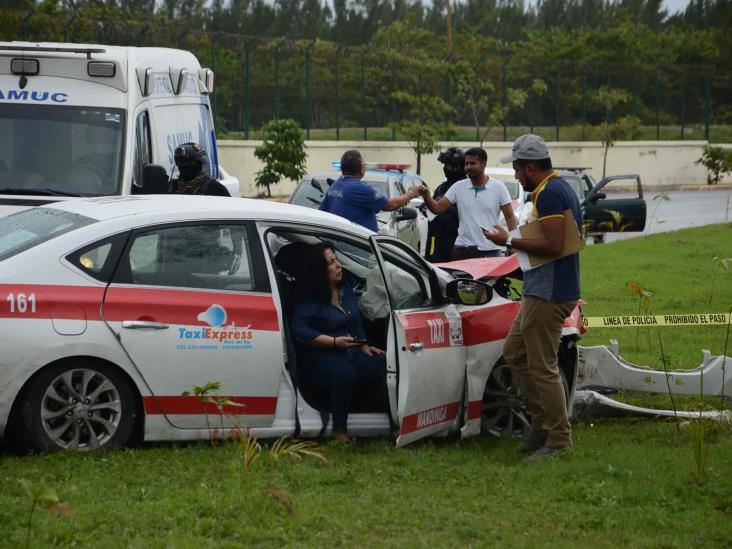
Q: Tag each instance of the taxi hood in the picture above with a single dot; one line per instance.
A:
(484, 267)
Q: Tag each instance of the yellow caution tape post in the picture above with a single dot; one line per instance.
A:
(695, 319)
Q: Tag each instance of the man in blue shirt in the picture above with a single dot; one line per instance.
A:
(550, 294)
(349, 197)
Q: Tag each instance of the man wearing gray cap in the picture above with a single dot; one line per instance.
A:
(550, 294)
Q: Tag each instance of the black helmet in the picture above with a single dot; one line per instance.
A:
(453, 156)
(189, 154)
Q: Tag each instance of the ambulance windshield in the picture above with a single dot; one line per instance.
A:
(64, 150)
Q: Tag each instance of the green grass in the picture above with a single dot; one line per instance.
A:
(677, 267)
(692, 132)
(625, 482)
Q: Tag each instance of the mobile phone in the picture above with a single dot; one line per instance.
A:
(361, 341)
(488, 230)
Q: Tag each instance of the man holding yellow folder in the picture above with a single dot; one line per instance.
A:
(550, 293)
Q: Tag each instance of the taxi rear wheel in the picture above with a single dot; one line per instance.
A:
(77, 405)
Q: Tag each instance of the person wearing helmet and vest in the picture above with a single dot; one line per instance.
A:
(190, 159)
(442, 229)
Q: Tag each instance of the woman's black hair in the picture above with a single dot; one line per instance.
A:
(313, 282)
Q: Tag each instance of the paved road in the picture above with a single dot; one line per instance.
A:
(685, 209)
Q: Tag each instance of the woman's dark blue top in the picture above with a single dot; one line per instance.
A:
(312, 318)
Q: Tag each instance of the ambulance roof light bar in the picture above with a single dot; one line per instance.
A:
(394, 166)
(35, 49)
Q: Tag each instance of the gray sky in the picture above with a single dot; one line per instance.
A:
(672, 6)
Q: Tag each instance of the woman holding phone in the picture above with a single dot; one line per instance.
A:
(329, 333)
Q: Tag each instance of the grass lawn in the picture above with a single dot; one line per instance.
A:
(630, 482)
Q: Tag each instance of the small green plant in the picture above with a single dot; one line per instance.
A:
(292, 448)
(663, 197)
(720, 262)
(207, 395)
(248, 452)
(665, 361)
(644, 305)
(717, 161)
(44, 497)
(282, 151)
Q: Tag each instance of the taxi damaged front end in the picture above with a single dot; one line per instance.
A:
(492, 403)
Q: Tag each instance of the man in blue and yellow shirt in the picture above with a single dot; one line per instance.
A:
(550, 293)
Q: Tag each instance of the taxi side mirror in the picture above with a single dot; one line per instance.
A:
(468, 292)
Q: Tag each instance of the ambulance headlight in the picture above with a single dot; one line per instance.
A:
(24, 66)
(106, 69)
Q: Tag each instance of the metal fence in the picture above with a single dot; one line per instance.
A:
(341, 92)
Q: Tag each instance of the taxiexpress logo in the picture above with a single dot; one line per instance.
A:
(231, 337)
(38, 96)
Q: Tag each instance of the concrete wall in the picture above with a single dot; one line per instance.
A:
(659, 163)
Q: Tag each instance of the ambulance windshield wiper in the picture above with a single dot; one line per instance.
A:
(42, 192)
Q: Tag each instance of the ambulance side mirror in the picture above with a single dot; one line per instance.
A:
(154, 179)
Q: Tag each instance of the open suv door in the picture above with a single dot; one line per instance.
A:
(614, 205)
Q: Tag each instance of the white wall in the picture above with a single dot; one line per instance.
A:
(659, 163)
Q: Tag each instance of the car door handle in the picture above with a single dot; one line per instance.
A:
(415, 347)
(143, 325)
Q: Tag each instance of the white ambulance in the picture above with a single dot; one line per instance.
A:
(93, 120)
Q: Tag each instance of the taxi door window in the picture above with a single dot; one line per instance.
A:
(407, 282)
(207, 256)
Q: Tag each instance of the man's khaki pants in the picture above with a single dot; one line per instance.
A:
(531, 352)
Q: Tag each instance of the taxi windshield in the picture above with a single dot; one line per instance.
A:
(61, 150)
(23, 230)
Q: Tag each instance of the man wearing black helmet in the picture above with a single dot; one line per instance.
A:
(443, 229)
(190, 159)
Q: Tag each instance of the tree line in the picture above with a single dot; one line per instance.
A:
(392, 63)
(355, 22)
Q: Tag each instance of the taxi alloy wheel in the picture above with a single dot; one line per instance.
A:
(81, 406)
(503, 411)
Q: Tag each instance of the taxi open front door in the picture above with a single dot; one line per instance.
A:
(426, 358)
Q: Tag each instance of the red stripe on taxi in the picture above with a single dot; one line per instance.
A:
(29, 301)
(475, 409)
(488, 323)
(183, 307)
(194, 405)
(430, 417)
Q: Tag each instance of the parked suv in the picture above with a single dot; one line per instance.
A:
(615, 204)
(407, 223)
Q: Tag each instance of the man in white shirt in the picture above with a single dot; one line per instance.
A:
(480, 200)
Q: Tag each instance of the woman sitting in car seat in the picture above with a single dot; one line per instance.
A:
(328, 331)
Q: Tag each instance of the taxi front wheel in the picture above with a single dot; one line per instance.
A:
(77, 405)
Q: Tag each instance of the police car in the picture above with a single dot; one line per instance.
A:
(114, 308)
(390, 179)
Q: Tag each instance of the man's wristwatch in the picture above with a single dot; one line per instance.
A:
(508, 241)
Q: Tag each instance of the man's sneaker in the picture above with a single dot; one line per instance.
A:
(544, 453)
(533, 442)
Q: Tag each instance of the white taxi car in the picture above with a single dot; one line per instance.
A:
(114, 308)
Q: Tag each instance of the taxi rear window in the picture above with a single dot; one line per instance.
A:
(24, 230)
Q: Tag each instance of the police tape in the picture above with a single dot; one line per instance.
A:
(697, 319)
